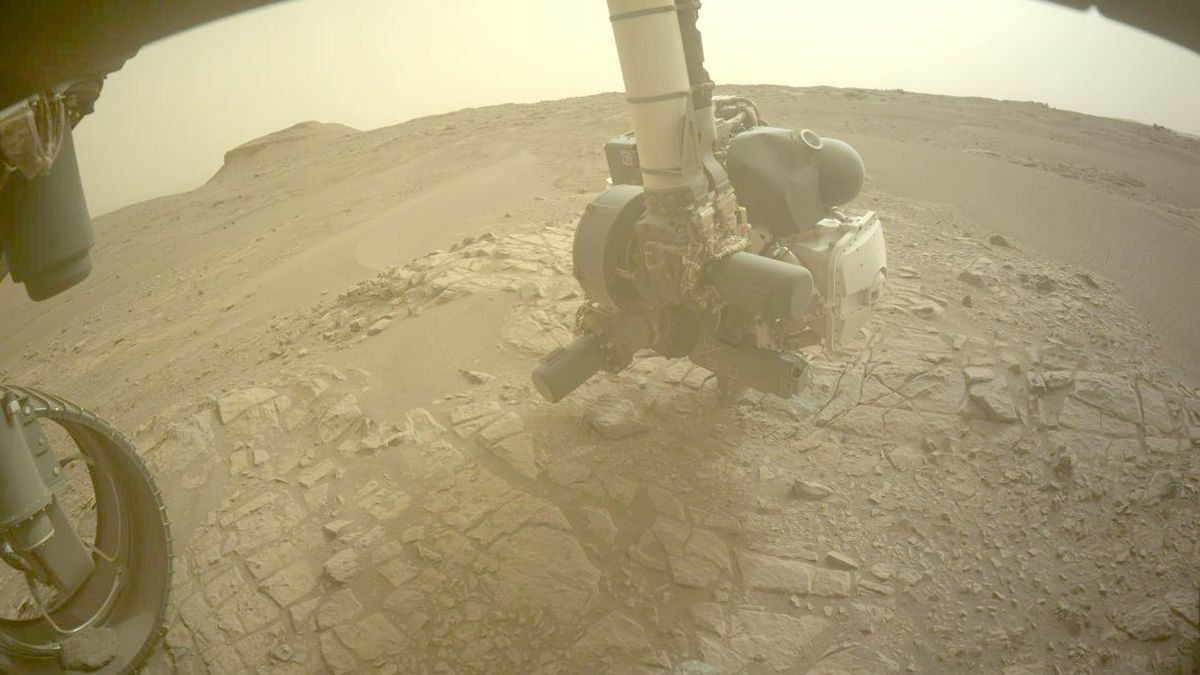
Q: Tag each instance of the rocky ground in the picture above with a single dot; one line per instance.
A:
(954, 494)
(1000, 475)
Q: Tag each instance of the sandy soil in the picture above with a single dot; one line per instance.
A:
(1000, 476)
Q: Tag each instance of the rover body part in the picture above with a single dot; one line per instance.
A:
(720, 238)
(624, 165)
(658, 88)
(565, 368)
(45, 229)
(788, 180)
(30, 516)
(603, 246)
(766, 370)
(851, 258)
(112, 573)
(768, 288)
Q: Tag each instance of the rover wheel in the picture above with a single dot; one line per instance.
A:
(116, 508)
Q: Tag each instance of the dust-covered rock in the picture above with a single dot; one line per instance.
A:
(994, 400)
(89, 649)
(854, 660)
(769, 573)
(1110, 394)
(378, 327)
(372, 638)
(339, 418)
(337, 658)
(780, 640)
(231, 406)
(615, 418)
(291, 583)
(420, 426)
(614, 633)
(506, 425)
(1148, 621)
(810, 491)
(543, 568)
(340, 607)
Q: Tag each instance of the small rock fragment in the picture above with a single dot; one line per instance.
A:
(613, 632)
(339, 418)
(1065, 466)
(530, 290)
(420, 426)
(1057, 379)
(695, 668)
(519, 453)
(506, 425)
(972, 278)
(89, 649)
(697, 377)
(334, 527)
(239, 461)
(841, 560)
(337, 658)
(397, 572)
(810, 491)
(342, 566)
(313, 475)
(302, 613)
(856, 660)
(378, 327)
(875, 587)
(1025, 669)
(1036, 384)
(1183, 604)
(477, 377)
(667, 504)
(927, 310)
(1149, 621)
(614, 418)
(600, 524)
(883, 571)
(291, 583)
(993, 399)
(977, 374)
(370, 442)
(230, 517)
(231, 406)
(338, 609)
(282, 652)
(473, 411)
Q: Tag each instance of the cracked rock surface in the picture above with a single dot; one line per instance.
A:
(910, 509)
(369, 482)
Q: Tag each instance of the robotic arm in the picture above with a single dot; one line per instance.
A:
(719, 239)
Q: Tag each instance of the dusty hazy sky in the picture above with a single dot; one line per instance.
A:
(166, 119)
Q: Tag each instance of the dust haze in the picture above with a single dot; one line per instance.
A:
(336, 240)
